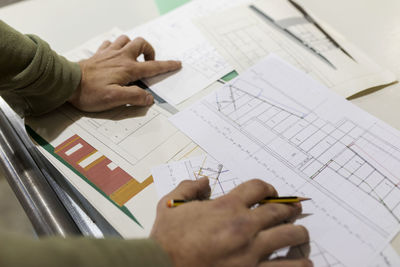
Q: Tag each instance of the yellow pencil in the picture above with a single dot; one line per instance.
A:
(284, 200)
(177, 202)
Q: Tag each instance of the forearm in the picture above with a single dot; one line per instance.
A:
(77, 252)
(33, 78)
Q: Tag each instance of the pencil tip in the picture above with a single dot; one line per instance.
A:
(304, 198)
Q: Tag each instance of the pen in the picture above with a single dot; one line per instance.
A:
(288, 199)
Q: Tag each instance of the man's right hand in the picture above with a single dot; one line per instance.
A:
(227, 231)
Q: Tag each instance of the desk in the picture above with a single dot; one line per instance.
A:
(67, 24)
(373, 26)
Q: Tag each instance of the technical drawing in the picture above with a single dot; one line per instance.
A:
(245, 42)
(281, 126)
(168, 176)
(243, 38)
(313, 145)
(106, 176)
(320, 256)
(124, 128)
(221, 179)
(113, 152)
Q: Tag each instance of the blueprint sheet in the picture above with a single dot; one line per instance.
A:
(174, 36)
(168, 176)
(278, 124)
(243, 38)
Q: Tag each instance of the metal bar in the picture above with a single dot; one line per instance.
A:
(40, 202)
(89, 221)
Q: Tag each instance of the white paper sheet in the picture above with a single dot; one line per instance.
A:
(276, 123)
(174, 36)
(243, 38)
(388, 257)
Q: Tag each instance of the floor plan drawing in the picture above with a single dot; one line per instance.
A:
(110, 154)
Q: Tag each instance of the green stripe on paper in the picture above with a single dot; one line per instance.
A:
(230, 76)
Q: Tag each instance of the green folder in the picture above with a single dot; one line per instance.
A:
(165, 6)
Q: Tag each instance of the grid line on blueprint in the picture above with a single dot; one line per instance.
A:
(316, 145)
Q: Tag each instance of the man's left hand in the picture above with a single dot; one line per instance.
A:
(106, 74)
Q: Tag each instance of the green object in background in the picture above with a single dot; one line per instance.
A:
(165, 6)
(230, 76)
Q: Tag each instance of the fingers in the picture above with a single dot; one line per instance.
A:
(140, 46)
(133, 49)
(133, 95)
(282, 236)
(104, 45)
(272, 214)
(191, 190)
(120, 42)
(287, 263)
(152, 68)
(254, 191)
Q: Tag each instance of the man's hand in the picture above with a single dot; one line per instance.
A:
(226, 231)
(106, 74)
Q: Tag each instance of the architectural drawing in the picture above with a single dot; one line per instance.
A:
(243, 39)
(275, 123)
(168, 176)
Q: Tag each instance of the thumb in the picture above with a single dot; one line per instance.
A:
(132, 95)
(191, 190)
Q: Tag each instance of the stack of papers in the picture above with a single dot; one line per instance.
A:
(174, 36)
(212, 38)
(272, 122)
(278, 124)
(243, 37)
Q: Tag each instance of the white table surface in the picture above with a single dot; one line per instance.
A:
(373, 25)
(65, 24)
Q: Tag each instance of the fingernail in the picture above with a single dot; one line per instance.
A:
(203, 178)
(149, 99)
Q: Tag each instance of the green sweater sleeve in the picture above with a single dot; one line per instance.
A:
(16, 251)
(33, 78)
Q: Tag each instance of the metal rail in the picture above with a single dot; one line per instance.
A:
(41, 204)
(53, 205)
